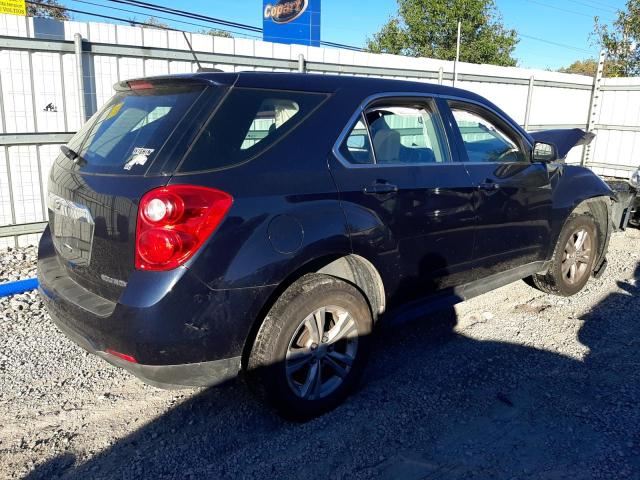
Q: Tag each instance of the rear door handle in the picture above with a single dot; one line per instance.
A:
(489, 186)
(380, 188)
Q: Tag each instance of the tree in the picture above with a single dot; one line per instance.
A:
(621, 40)
(428, 28)
(214, 32)
(582, 67)
(49, 9)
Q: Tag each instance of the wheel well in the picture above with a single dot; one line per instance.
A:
(600, 209)
(360, 272)
(351, 268)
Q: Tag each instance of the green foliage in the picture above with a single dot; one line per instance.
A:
(151, 22)
(51, 9)
(582, 67)
(214, 32)
(621, 40)
(428, 28)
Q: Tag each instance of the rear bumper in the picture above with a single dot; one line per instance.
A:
(203, 374)
(200, 374)
(180, 332)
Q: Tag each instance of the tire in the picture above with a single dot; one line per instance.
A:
(558, 280)
(288, 352)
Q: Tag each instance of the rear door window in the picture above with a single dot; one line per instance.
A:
(405, 135)
(247, 123)
(403, 131)
(127, 134)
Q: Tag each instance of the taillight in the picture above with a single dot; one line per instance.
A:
(174, 221)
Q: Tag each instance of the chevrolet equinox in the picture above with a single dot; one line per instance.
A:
(208, 224)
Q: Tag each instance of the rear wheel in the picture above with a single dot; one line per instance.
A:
(573, 259)
(312, 347)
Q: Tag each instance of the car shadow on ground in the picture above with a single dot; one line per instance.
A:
(434, 404)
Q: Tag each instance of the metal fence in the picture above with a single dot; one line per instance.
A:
(54, 75)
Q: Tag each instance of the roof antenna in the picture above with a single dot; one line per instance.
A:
(186, 39)
(200, 67)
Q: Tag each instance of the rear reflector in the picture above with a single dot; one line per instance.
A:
(123, 356)
(174, 222)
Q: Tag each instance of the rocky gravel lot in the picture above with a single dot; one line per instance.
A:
(512, 384)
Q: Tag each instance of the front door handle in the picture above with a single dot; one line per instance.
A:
(490, 186)
(380, 188)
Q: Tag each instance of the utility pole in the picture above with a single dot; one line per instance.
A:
(455, 64)
(594, 107)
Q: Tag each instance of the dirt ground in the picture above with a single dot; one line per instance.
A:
(512, 384)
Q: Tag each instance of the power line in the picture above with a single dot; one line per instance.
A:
(557, 44)
(605, 4)
(183, 13)
(135, 22)
(109, 17)
(207, 18)
(165, 18)
(594, 7)
(237, 25)
(582, 14)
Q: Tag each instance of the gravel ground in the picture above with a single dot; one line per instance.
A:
(512, 384)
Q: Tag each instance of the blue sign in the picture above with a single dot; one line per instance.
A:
(291, 21)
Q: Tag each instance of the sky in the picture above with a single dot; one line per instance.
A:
(553, 33)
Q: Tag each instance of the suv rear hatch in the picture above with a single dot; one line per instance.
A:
(130, 146)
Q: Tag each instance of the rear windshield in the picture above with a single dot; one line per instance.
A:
(247, 123)
(127, 134)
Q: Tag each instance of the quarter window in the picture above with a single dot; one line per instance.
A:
(484, 141)
(247, 123)
(272, 114)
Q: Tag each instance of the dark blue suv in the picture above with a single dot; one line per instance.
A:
(209, 224)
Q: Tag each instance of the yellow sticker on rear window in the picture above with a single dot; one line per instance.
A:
(114, 110)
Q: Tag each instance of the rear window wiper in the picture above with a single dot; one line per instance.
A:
(73, 155)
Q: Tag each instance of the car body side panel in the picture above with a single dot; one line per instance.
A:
(513, 220)
(419, 238)
(286, 211)
(513, 200)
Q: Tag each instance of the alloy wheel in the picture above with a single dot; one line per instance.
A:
(577, 256)
(321, 352)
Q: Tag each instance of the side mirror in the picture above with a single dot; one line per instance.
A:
(544, 152)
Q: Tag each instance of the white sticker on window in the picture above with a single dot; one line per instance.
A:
(140, 157)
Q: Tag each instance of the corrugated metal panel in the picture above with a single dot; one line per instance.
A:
(25, 183)
(16, 91)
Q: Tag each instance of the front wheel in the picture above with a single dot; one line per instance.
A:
(573, 259)
(312, 347)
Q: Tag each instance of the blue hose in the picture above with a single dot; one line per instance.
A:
(19, 286)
